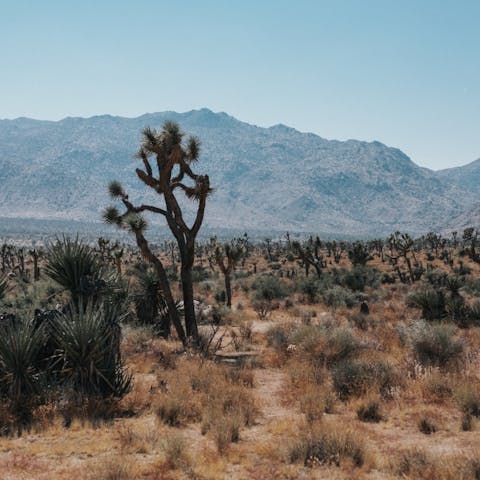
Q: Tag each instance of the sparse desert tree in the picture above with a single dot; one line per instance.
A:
(169, 173)
(310, 254)
(230, 253)
(470, 237)
(358, 254)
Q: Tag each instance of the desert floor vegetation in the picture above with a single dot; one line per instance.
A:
(329, 360)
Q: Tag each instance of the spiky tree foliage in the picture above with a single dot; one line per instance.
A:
(310, 254)
(432, 303)
(402, 246)
(150, 305)
(88, 337)
(162, 152)
(470, 237)
(75, 266)
(36, 254)
(20, 347)
(358, 254)
(226, 257)
(4, 288)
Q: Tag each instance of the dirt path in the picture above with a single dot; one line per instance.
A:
(269, 384)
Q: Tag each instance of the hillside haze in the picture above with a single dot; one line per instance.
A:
(273, 178)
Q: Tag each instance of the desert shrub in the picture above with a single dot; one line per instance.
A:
(474, 313)
(355, 377)
(437, 386)
(435, 344)
(4, 287)
(309, 287)
(411, 462)
(315, 402)
(458, 312)
(20, 348)
(172, 409)
(387, 278)
(360, 277)
(361, 321)
(278, 337)
(369, 411)
(230, 409)
(326, 345)
(338, 296)
(200, 274)
(432, 303)
(76, 267)
(220, 296)
(227, 430)
(88, 337)
(138, 440)
(327, 446)
(112, 468)
(269, 288)
(175, 447)
(467, 396)
(146, 297)
(289, 303)
(467, 423)
(339, 344)
(426, 425)
(263, 308)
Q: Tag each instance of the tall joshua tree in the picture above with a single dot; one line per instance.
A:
(169, 173)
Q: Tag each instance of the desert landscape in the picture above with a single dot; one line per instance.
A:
(239, 240)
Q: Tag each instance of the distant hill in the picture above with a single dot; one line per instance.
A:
(467, 177)
(269, 179)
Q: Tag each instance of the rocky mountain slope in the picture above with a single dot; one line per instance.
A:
(265, 178)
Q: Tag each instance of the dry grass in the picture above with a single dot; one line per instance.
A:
(297, 412)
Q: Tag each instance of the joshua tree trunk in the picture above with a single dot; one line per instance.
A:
(173, 315)
(228, 290)
(188, 303)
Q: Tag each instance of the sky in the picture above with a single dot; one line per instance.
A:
(406, 73)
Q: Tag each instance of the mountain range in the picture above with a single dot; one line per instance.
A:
(269, 179)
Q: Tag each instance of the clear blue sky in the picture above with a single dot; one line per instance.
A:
(406, 73)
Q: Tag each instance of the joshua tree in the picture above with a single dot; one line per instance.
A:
(233, 252)
(169, 153)
(470, 236)
(358, 254)
(36, 253)
(402, 246)
(310, 254)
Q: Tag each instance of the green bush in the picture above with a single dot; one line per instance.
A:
(355, 377)
(269, 288)
(309, 286)
(360, 277)
(88, 337)
(432, 303)
(338, 296)
(20, 348)
(435, 345)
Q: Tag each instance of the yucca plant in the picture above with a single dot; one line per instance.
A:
(20, 347)
(88, 336)
(150, 305)
(4, 288)
(432, 303)
(75, 266)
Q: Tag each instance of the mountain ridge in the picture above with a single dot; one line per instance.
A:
(265, 177)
